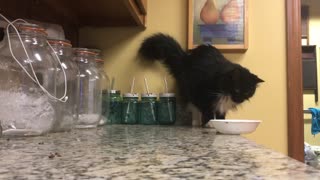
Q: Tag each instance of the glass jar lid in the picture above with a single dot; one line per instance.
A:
(113, 91)
(167, 95)
(60, 42)
(28, 28)
(147, 95)
(134, 95)
(99, 59)
(84, 55)
(84, 51)
(96, 51)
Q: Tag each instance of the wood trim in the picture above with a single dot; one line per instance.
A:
(142, 4)
(190, 24)
(306, 7)
(246, 26)
(134, 10)
(294, 81)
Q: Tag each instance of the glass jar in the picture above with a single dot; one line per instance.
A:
(25, 109)
(115, 107)
(89, 102)
(130, 108)
(69, 109)
(105, 87)
(147, 108)
(166, 109)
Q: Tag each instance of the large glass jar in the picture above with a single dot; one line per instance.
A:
(129, 108)
(25, 108)
(147, 109)
(89, 89)
(105, 87)
(166, 109)
(69, 111)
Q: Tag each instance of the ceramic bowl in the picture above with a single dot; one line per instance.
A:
(235, 126)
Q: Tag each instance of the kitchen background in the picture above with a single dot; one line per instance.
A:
(266, 56)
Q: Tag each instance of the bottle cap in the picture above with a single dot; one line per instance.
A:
(130, 95)
(149, 95)
(167, 95)
(113, 91)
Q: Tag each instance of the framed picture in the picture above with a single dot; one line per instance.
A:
(221, 23)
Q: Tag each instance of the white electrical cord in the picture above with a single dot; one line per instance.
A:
(35, 79)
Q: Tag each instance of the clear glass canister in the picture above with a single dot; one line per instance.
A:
(89, 102)
(130, 108)
(105, 87)
(166, 109)
(115, 107)
(69, 109)
(25, 108)
(147, 109)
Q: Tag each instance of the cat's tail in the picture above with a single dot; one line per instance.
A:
(163, 48)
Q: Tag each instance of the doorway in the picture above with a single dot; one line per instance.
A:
(300, 38)
(294, 81)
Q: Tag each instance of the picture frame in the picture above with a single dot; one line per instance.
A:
(221, 23)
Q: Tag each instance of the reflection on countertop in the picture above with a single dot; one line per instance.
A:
(145, 152)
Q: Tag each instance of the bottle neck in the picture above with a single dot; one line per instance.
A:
(85, 58)
(148, 98)
(100, 66)
(167, 98)
(130, 98)
(62, 51)
(92, 64)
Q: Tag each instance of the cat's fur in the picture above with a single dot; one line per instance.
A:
(203, 75)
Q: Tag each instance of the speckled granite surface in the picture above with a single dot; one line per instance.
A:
(145, 152)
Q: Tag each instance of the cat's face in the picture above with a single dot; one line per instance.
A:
(242, 84)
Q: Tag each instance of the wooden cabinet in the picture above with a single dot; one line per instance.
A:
(73, 14)
(309, 69)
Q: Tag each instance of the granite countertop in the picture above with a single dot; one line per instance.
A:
(145, 152)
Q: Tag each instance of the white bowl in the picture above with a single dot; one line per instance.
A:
(235, 126)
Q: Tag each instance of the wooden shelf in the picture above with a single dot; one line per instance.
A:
(73, 14)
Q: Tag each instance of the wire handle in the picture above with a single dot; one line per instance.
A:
(34, 78)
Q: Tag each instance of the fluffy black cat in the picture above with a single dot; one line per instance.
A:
(203, 75)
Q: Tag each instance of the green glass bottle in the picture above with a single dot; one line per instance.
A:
(166, 109)
(105, 106)
(115, 107)
(147, 108)
(130, 108)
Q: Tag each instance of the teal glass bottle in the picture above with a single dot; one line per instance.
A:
(115, 107)
(105, 107)
(147, 108)
(166, 109)
(130, 108)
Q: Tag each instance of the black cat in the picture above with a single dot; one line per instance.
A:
(203, 75)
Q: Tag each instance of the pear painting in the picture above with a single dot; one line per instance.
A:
(209, 13)
(222, 23)
(230, 13)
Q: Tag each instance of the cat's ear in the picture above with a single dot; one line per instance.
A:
(258, 80)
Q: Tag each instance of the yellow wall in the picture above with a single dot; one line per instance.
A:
(265, 57)
(314, 39)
